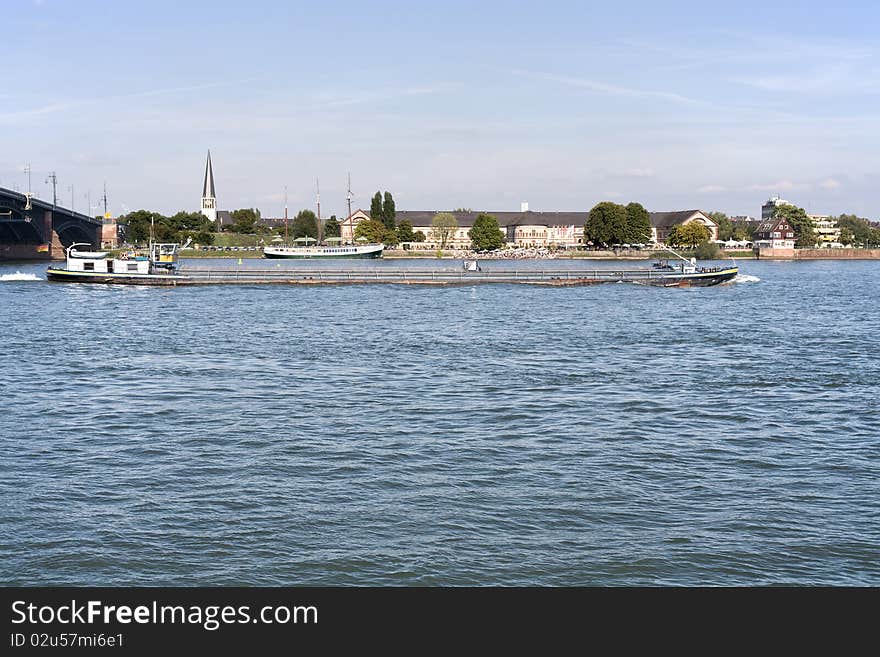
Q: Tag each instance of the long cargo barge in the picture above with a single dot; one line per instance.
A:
(162, 268)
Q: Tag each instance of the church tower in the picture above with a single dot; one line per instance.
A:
(209, 198)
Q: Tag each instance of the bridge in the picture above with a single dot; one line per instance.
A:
(33, 228)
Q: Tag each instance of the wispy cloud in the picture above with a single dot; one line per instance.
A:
(65, 105)
(712, 189)
(830, 183)
(331, 101)
(608, 89)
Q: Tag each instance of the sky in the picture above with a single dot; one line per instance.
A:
(677, 105)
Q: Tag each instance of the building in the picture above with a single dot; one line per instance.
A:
(209, 197)
(775, 234)
(109, 233)
(521, 229)
(769, 207)
(826, 229)
(662, 223)
(526, 228)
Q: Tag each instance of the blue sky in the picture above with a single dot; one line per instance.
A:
(677, 105)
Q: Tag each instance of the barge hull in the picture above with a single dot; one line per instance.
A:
(400, 277)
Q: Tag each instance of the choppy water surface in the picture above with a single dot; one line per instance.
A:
(606, 435)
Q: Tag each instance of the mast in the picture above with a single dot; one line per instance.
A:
(105, 198)
(285, 214)
(318, 188)
(350, 222)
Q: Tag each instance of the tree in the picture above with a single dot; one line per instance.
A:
(443, 226)
(846, 236)
(485, 234)
(606, 224)
(803, 226)
(244, 220)
(690, 234)
(138, 225)
(859, 227)
(405, 232)
(305, 224)
(725, 225)
(638, 224)
(372, 230)
(331, 227)
(388, 211)
(376, 207)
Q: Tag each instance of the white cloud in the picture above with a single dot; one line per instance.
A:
(780, 186)
(639, 173)
(830, 183)
(712, 189)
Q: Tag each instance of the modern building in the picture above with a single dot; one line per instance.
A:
(769, 207)
(209, 196)
(826, 229)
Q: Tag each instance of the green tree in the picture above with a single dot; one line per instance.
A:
(138, 223)
(305, 224)
(389, 236)
(846, 236)
(485, 234)
(376, 207)
(743, 231)
(203, 237)
(405, 232)
(443, 227)
(388, 211)
(859, 227)
(803, 226)
(690, 234)
(725, 225)
(331, 227)
(606, 224)
(372, 230)
(638, 224)
(244, 220)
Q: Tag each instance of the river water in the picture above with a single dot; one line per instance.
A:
(484, 435)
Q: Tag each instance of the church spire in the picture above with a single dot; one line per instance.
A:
(209, 198)
(208, 189)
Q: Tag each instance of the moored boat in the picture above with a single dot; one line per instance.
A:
(325, 251)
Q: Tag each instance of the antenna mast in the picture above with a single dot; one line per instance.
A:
(318, 188)
(105, 198)
(350, 222)
(285, 214)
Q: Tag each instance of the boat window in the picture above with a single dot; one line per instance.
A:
(132, 266)
(88, 266)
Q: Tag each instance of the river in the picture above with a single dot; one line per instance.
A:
(484, 435)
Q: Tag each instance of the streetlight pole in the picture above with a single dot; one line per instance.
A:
(72, 204)
(54, 179)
